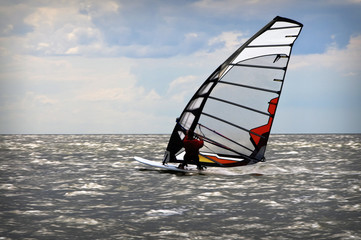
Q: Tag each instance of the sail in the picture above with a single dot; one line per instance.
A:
(234, 109)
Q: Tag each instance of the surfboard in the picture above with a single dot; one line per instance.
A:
(168, 167)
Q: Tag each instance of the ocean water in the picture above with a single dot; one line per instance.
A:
(89, 187)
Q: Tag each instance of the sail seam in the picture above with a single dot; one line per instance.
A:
(278, 45)
(232, 124)
(231, 140)
(257, 66)
(277, 28)
(239, 105)
(247, 86)
(211, 141)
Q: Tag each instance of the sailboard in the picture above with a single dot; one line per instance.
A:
(166, 167)
(234, 109)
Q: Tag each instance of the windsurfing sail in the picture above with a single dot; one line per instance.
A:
(234, 109)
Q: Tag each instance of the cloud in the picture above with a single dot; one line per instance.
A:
(109, 28)
(346, 2)
(182, 88)
(62, 31)
(245, 9)
(228, 40)
(77, 94)
(43, 99)
(258, 8)
(11, 20)
(96, 9)
(56, 29)
(87, 28)
(345, 60)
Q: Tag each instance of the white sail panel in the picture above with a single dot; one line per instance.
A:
(256, 52)
(283, 24)
(275, 37)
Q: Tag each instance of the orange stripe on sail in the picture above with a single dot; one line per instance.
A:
(214, 159)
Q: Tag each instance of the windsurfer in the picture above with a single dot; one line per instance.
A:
(191, 146)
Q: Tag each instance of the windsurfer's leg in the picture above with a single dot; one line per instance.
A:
(184, 163)
(199, 167)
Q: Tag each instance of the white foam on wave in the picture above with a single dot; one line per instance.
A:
(7, 186)
(92, 186)
(31, 212)
(78, 193)
(43, 161)
(287, 153)
(82, 221)
(220, 171)
(165, 212)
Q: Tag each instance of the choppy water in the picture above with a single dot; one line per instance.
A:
(89, 187)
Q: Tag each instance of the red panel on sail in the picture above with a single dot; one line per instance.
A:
(272, 106)
(265, 129)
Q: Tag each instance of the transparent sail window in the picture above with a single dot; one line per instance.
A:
(187, 120)
(196, 103)
(206, 88)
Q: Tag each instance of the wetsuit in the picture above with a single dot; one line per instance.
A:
(192, 147)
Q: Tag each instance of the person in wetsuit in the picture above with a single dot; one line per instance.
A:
(191, 146)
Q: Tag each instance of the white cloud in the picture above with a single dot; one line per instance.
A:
(231, 40)
(73, 50)
(95, 8)
(44, 99)
(346, 60)
(245, 8)
(345, 2)
(8, 29)
(56, 30)
(259, 8)
(182, 88)
(78, 94)
(66, 31)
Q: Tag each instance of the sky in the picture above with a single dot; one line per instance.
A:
(118, 67)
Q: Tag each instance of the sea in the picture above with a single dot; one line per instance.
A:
(90, 187)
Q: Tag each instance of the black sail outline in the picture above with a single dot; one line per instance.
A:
(254, 75)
